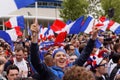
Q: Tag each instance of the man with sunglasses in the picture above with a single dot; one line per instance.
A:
(99, 66)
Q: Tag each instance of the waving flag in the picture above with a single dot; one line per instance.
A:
(60, 37)
(14, 33)
(102, 18)
(69, 21)
(41, 33)
(49, 33)
(58, 25)
(8, 6)
(114, 27)
(5, 36)
(104, 23)
(75, 28)
(15, 22)
(70, 27)
(88, 25)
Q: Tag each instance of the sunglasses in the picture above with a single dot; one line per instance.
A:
(105, 65)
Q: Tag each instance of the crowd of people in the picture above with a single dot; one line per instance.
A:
(77, 58)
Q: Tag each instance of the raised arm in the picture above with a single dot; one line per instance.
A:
(88, 49)
(44, 71)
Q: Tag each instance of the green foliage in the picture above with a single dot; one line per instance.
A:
(106, 4)
(94, 8)
(72, 9)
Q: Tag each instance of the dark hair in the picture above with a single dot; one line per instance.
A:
(1, 62)
(67, 47)
(116, 57)
(12, 67)
(116, 46)
(21, 78)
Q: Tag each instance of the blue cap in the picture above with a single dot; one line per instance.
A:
(58, 50)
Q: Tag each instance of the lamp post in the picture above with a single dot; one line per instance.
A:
(110, 12)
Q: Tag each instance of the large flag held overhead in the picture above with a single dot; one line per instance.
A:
(71, 28)
(17, 21)
(8, 6)
(75, 28)
(57, 25)
(104, 23)
(88, 25)
(114, 27)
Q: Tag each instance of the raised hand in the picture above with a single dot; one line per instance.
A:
(35, 30)
(34, 27)
(95, 32)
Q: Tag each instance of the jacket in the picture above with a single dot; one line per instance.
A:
(55, 73)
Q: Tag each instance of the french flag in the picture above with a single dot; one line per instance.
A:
(49, 33)
(74, 27)
(71, 28)
(41, 33)
(5, 36)
(17, 21)
(58, 25)
(60, 37)
(14, 33)
(88, 25)
(8, 6)
(104, 23)
(114, 27)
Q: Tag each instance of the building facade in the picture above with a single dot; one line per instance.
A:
(46, 11)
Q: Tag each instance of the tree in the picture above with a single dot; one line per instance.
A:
(112, 8)
(94, 9)
(73, 9)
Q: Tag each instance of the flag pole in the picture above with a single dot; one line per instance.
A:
(3, 24)
(36, 10)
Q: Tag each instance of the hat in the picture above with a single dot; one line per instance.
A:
(58, 50)
(93, 62)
